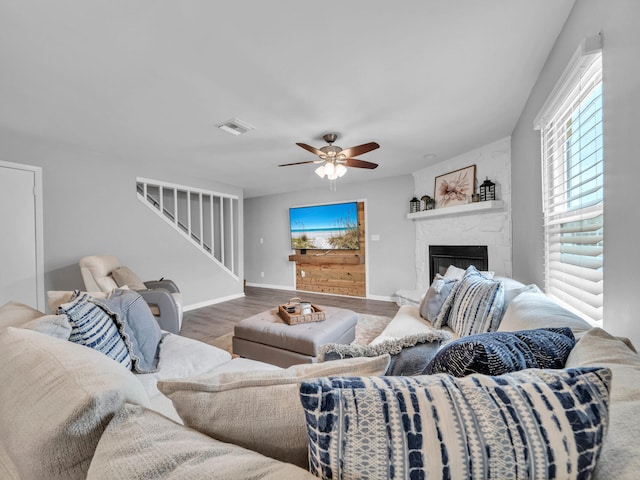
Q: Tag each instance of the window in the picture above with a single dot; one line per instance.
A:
(571, 126)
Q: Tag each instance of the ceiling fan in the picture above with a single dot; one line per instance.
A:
(334, 159)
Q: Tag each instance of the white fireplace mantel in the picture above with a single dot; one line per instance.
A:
(468, 208)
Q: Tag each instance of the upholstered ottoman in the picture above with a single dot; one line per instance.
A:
(267, 338)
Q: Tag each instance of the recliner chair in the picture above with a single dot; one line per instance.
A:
(163, 296)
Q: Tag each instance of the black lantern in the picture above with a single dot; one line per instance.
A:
(414, 205)
(425, 201)
(487, 190)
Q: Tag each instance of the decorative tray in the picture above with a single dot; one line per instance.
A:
(296, 317)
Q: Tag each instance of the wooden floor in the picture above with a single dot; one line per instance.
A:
(208, 323)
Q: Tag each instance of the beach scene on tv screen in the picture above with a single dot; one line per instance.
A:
(325, 227)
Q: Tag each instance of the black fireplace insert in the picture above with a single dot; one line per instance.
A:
(461, 256)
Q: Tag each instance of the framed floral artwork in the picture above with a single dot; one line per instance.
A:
(455, 188)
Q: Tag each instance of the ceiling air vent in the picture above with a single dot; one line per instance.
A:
(235, 126)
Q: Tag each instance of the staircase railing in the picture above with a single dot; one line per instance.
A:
(208, 220)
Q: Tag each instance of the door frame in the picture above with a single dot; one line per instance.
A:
(39, 219)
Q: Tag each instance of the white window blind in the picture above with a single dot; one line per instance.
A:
(572, 182)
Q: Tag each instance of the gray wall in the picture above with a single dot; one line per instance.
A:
(391, 260)
(621, 88)
(90, 207)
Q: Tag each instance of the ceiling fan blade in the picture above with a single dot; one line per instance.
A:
(354, 162)
(311, 149)
(297, 163)
(359, 150)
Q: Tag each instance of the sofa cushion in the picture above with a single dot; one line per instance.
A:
(125, 276)
(258, 410)
(92, 327)
(137, 327)
(477, 304)
(435, 297)
(8, 470)
(407, 321)
(535, 310)
(409, 355)
(139, 444)
(528, 424)
(56, 399)
(619, 459)
(496, 353)
(14, 314)
(182, 357)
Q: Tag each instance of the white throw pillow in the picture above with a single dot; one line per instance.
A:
(455, 273)
(531, 310)
(259, 410)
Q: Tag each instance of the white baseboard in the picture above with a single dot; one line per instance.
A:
(277, 287)
(382, 298)
(206, 303)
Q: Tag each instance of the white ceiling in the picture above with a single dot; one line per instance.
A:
(147, 80)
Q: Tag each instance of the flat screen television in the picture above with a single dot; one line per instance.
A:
(325, 227)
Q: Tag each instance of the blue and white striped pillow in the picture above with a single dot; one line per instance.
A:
(93, 327)
(547, 424)
(477, 305)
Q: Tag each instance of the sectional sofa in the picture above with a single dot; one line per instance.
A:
(68, 411)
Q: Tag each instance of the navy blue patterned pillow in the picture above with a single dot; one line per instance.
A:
(503, 352)
(547, 424)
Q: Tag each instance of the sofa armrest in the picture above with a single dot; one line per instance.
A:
(169, 317)
(165, 283)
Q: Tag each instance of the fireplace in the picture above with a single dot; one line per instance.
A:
(461, 256)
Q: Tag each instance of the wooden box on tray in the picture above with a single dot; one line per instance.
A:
(316, 315)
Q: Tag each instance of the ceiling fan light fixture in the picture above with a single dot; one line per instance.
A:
(334, 160)
(329, 169)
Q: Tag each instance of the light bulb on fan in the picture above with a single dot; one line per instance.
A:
(329, 168)
(341, 170)
(320, 171)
